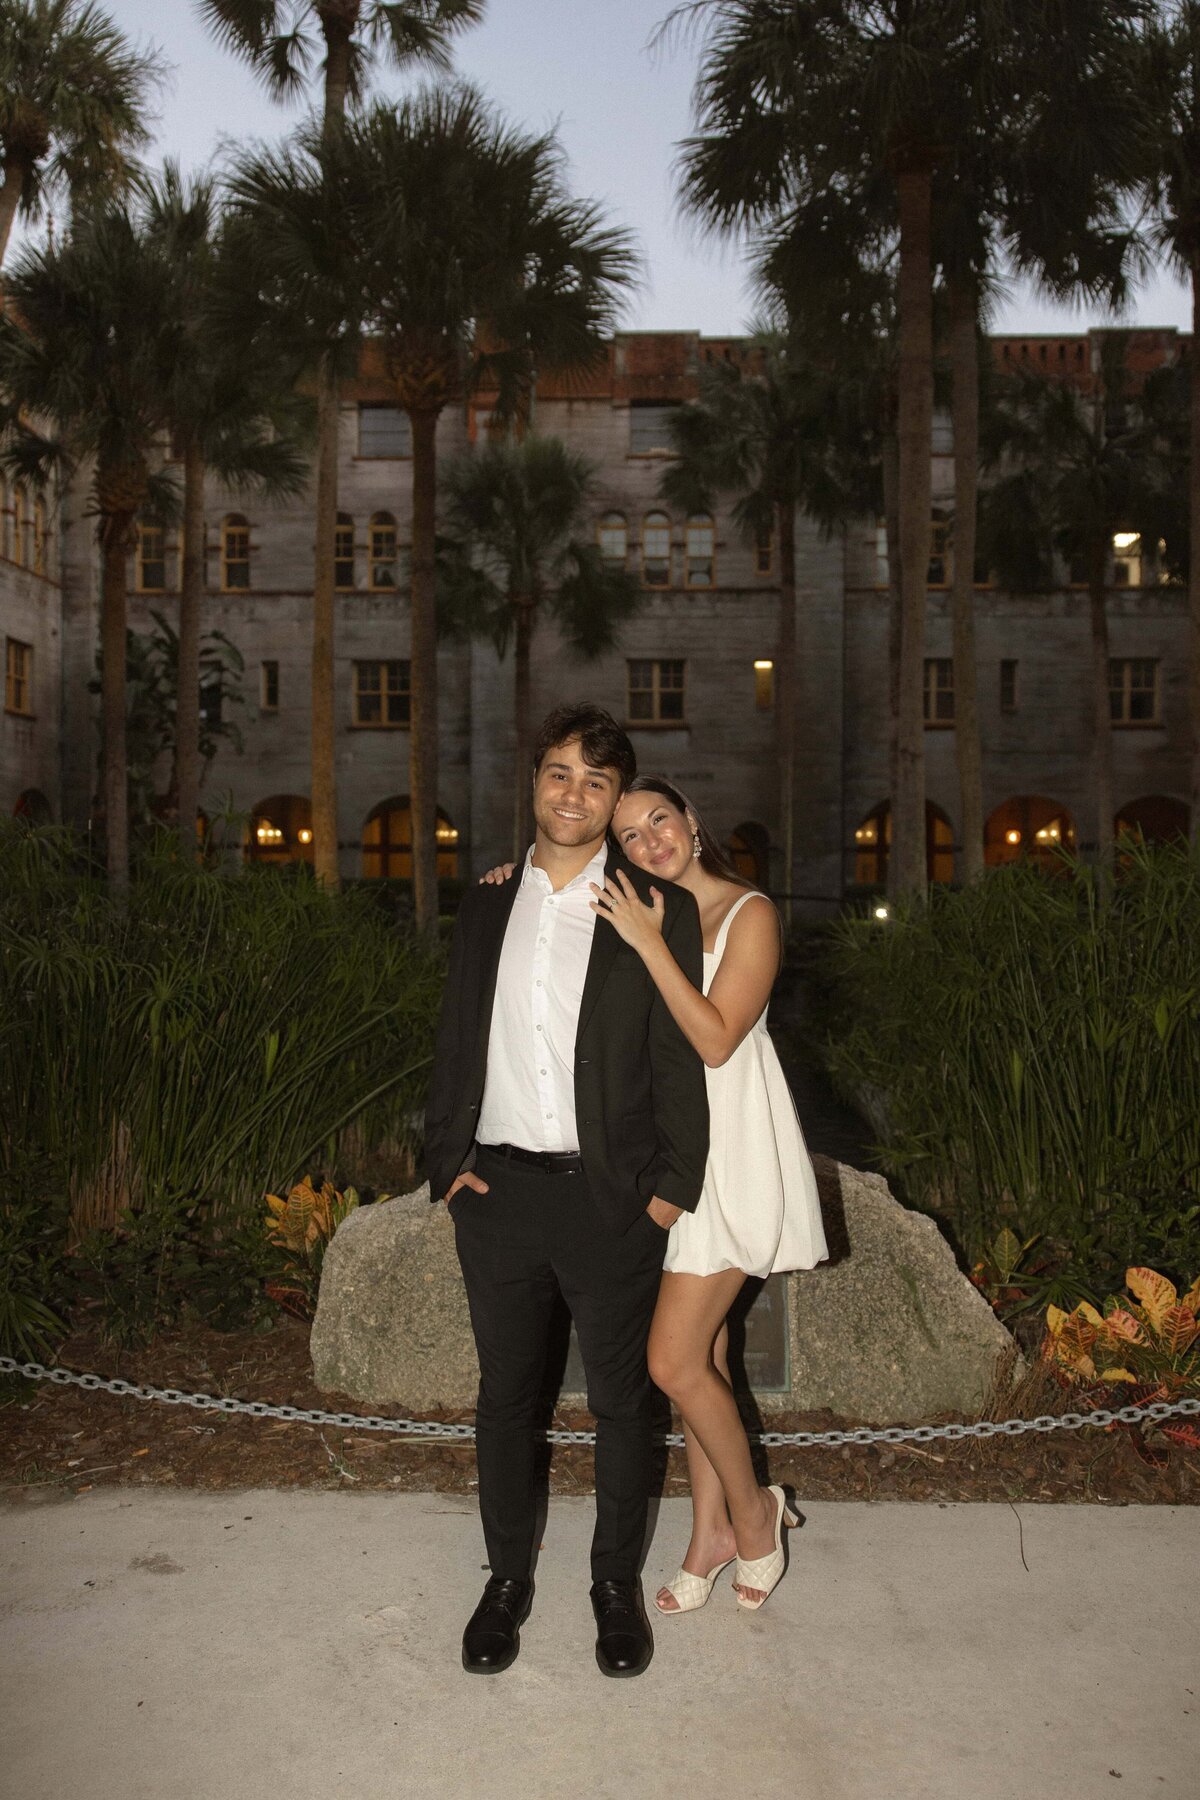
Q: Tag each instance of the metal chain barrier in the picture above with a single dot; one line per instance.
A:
(432, 1431)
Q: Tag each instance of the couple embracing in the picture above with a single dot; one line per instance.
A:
(608, 1121)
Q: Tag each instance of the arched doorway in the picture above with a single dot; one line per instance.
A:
(1028, 826)
(873, 842)
(749, 850)
(1154, 819)
(281, 830)
(32, 807)
(387, 843)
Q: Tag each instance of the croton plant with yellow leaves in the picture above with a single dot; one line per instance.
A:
(300, 1224)
(1147, 1340)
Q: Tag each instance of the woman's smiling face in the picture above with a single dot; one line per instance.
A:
(654, 834)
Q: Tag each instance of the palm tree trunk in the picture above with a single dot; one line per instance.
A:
(15, 172)
(187, 698)
(523, 611)
(907, 863)
(785, 697)
(1194, 550)
(324, 778)
(891, 525)
(338, 21)
(1101, 707)
(964, 352)
(423, 736)
(115, 531)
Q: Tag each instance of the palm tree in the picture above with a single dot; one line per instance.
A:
(480, 268)
(1172, 98)
(93, 355)
(1073, 469)
(231, 409)
(783, 435)
(73, 100)
(280, 39)
(515, 514)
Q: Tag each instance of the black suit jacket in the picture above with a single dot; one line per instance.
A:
(640, 1097)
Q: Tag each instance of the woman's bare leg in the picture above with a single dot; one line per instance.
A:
(730, 1510)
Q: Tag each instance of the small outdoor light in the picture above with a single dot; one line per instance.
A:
(764, 682)
(881, 911)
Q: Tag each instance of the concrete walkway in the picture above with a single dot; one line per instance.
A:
(187, 1646)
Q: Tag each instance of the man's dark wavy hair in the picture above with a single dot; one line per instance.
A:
(603, 744)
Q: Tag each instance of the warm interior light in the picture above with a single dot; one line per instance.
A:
(1125, 540)
(1012, 837)
(266, 833)
(763, 663)
(304, 834)
(446, 834)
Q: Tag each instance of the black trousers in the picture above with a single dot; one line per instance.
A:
(531, 1236)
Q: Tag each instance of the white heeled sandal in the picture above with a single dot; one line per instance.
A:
(690, 1591)
(763, 1572)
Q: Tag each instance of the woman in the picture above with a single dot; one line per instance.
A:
(758, 1212)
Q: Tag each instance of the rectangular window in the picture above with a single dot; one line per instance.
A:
(878, 545)
(940, 566)
(18, 677)
(212, 700)
(343, 554)
(764, 553)
(655, 691)
(1127, 559)
(700, 551)
(268, 687)
(939, 690)
(384, 431)
(151, 559)
(1133, 690)
(650, 430)
(382, 693)
(1008, 684)
(764, 684)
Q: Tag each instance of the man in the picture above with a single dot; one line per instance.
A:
(567, 1129)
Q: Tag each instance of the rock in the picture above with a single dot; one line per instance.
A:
(889, 1331)
(392, 1327)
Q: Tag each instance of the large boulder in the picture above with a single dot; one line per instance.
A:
(889, 1330)
(392, 1327)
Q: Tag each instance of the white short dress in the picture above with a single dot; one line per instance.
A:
(758, 1210)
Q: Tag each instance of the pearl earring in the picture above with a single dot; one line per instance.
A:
(695, 846)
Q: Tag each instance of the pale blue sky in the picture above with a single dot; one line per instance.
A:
(620, 109)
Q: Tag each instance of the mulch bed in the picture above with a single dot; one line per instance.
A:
(69, 1441)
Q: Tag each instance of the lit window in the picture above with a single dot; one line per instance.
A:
(151, 559)
(1127, 559)
(268, 688)
(235, 554)
(764, 553)
(939, 690)
(699, 551)
(343, 553)
(18, 677)
(1133, 690)
(612, 536)
(655, 691)
(940, 564)
(764, 684)
(879, 550)
(384, 431)
(1008, 685)
(382, 552)
(650, 430)
(382, 693)
(656, 550)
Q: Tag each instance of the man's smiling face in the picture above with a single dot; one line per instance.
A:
(572, 802)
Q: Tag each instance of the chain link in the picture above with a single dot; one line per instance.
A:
(433, 1431)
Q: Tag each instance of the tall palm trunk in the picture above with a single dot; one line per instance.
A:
(907, 864)
(785, 697)
(116, 531)
(523, 608)
(187, 698)
(16, 171)
(324, 782)
(423, 736)
(964, 353)
(338, 20)
(891, 525)
(1194, 550)
(1102, 760)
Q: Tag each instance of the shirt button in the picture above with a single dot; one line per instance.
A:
(539, 1027)
(537, 984)
(543, 1071)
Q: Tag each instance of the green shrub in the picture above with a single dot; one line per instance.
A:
(1028, 1050)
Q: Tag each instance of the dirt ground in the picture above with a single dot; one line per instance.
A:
(73, 1440)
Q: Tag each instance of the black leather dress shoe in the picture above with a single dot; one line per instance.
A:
(624, 1644)
(493, 1635)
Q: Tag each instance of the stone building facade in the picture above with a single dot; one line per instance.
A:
(691, 677)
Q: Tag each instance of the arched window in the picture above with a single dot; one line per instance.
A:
(343, 554)
(150, 562)
(612, 536)
(1031, 827)
(281, 830)
(1154, 819)
(40, 546)
(873, 843)
(235, 553)
(18, 537)
(700, 552)
(656, 550)
(387, 843)
(749, 851)
(384, 571)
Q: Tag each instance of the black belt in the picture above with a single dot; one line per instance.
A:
(554, 1162)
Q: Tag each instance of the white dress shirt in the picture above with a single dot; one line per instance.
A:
(529, 1091)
